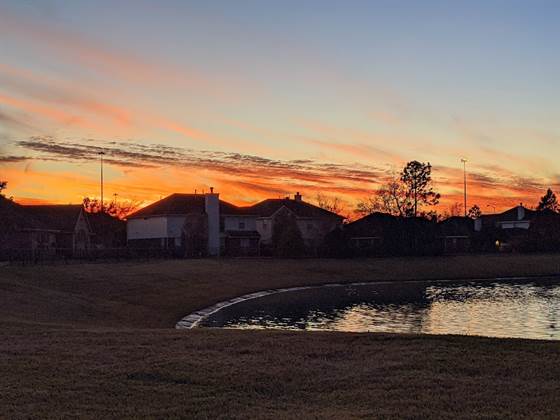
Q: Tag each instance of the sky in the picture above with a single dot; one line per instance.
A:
(262, 99)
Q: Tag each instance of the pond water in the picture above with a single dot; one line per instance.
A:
(520, 309)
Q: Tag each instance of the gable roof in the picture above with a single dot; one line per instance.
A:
(61, 217)
(103, 222)
(13, 215)
(379, 224)
(267, 208)
(511, 215)
(182, 204)
(456, 226)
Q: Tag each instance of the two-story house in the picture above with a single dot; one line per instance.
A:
(202, 224)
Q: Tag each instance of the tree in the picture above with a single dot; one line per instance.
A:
(456, 209)
(332, 204)
(417, 179)
(389, 198)
(114, 208)
(474, 212)
(404, 194)
(287, 240)
(3, 186)
(549, 202)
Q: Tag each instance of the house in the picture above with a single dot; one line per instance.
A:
(368, 236)
(180, 223)
(42, 231)
(72, 232)
(202, 224)
(455, 234)
(518, 217)
(312, 222)
(544, 232)
(384, 234)
(108, 232)
(506, 231)
(194, 225)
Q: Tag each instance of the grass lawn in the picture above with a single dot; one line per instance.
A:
(97, 340)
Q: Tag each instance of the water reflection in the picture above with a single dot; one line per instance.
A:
(498, 309)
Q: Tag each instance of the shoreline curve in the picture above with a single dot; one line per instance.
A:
(193, 319)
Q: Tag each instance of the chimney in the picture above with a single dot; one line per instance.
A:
(520, 212)
(298, 197)
(212, 209)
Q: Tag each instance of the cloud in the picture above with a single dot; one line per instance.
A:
(8, 119)
(76, 48)
(157, 169)
(13, 159)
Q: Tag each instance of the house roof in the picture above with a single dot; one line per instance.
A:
(102, 223)
(54, 217)
(511, 215)
(379, 224)
(180, 204)
(456, 226)
(60, 218)
(300, 208)
(13, 215)
(371, 225)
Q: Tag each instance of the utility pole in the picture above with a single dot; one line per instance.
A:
(465, 183)
(101, 154)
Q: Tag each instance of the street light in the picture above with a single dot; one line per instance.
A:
(101, 154)
(465, 183)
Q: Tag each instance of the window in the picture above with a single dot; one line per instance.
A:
(244, 243)
(241, 225)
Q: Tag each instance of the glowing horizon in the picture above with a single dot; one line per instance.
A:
(263, 100)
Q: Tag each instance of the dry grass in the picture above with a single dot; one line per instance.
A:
(158, 294)
(95, 341)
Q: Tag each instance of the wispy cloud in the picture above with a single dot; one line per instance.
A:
(249, 177)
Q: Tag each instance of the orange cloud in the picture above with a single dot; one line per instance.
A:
(57, 115)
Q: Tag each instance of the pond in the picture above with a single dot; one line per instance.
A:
(512, 308)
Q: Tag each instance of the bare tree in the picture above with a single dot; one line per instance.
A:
(116, 209)
(455, 209)
(333, 204)
(404, 194)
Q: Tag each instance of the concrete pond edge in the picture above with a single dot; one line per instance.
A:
(195, 318)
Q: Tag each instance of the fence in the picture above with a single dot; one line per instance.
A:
(67, 255)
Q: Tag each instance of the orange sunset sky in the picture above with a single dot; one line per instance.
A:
(263, 99)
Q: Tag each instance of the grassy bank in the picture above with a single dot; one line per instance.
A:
(97, 341)
(158, 294)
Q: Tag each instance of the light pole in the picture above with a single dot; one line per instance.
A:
(465, 183)
(101, 154)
